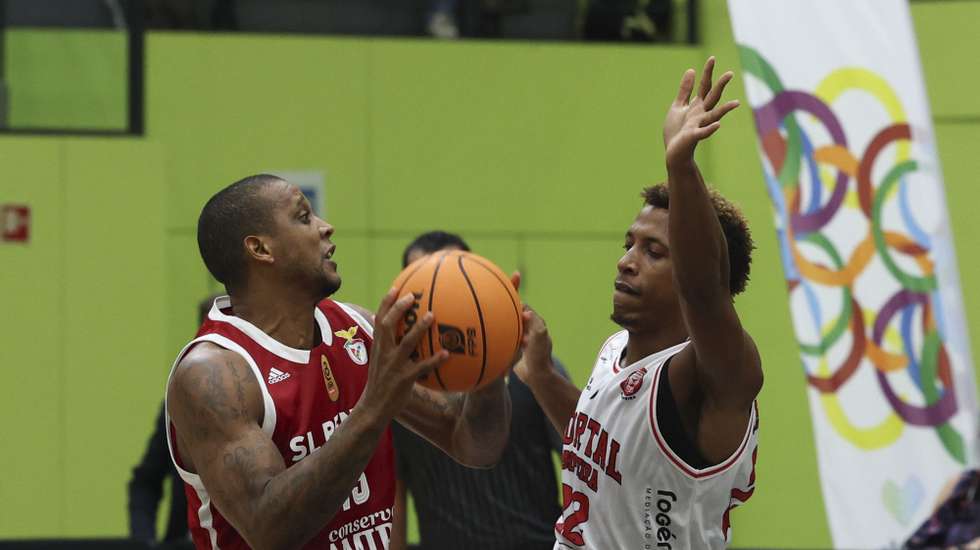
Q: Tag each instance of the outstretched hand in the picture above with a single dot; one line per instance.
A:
(692, 120)
(536, 347)
(392, 371)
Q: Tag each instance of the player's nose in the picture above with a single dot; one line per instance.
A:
(326, 230)
(626, 264)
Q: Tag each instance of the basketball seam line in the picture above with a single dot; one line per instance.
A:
(483, 327)
(432, 288)
(520, 317)
(408, 278)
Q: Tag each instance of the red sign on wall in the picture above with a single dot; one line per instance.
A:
(15, 221)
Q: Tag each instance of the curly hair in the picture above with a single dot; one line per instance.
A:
(733, 225)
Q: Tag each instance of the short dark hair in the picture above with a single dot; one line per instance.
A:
(434, 241)
(232, 214)
(733, 225)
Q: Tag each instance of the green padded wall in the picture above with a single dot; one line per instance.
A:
(534, 152)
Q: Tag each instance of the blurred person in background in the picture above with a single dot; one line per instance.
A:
(511, 506)
(145, 488)
(441, 21)
(627, 20)
(955, 519)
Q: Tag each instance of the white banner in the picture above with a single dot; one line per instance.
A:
(847, 147)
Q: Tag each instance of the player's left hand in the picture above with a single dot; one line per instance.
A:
(536, 349)
(692, 120)
(515, 280)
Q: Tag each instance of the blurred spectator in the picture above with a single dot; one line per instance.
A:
(512, 506)
(442, 19)
(955, 523)
(485, 18)
(146, 486)
(628, 20)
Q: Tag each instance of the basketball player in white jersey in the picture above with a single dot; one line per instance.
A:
(660, 444)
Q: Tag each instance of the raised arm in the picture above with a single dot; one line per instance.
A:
(555, 393)
(725, 360)
(216, 406)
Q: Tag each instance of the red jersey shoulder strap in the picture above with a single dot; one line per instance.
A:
(345, 312)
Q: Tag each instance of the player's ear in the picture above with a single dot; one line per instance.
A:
(258, 248)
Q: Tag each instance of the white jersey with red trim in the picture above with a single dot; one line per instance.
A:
(622, 486)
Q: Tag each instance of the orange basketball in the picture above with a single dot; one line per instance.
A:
(477, 317)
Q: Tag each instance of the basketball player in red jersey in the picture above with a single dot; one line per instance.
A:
(278, 411)
(661, 443)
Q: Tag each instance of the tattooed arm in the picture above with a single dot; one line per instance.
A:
(472, 428)
(216, 405)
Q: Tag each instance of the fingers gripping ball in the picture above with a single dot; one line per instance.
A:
(477, 315)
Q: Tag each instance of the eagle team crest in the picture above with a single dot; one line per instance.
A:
(333, 391)
(355, 346)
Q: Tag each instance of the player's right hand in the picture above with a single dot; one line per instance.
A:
(392, 372)
(690, 121)
(537, 348)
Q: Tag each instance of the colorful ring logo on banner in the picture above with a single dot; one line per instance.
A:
(886, 338)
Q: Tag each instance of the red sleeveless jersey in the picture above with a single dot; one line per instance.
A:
(307, 394)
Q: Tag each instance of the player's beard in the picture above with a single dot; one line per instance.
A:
(329, 285)
(318, 281)
(622, 314)
(623, 319)
(628, 318)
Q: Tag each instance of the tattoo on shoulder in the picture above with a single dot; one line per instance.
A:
(222, 393)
